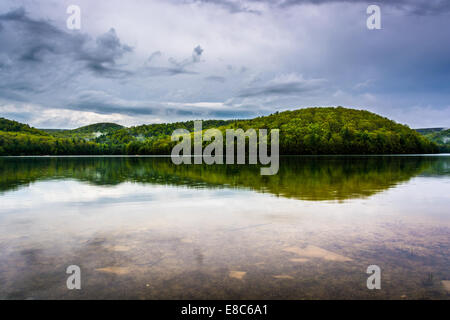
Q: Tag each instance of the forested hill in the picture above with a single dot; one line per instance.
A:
(340, 131)
(14, 126)
(99, 127)
(440, 136)
(87, 132)
(304, 131)
(157, 131)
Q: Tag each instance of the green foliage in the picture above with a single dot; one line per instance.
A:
(440, 136)
(300, 177)
(14, 126)
(99, 127)
(340, 131)
(155, 131)
(18, 143)
(304, 131)
(89, 132)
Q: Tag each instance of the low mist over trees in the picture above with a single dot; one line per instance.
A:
(440, 136)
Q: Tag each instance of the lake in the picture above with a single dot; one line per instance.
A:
(144, 228)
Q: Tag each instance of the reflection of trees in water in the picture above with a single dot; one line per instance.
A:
(310, 178)
(437, 168)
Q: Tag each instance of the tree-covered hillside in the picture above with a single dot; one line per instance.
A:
(99, 127)
(304, 131)
(340, 131)
(14, 126)
(440, 136)
(87, 132)
(157, 131)
(21, 139)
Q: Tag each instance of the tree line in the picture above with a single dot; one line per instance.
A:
(305, 131)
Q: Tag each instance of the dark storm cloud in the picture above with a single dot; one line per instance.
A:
(12, 95)
(103, 56)
(419, 7)
(32, 39)
(164, 71)
(231, 6)
(38, 41)
(19, 15)
(39, 63)
(104, 103)
(107, 72)
(297, 87)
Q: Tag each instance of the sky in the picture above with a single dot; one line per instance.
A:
(139, 62)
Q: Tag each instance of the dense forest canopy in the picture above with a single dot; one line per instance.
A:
(305, 131)
(14, 126)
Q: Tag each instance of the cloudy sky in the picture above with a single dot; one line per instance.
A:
(136, 61)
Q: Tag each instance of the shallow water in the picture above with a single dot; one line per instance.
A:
(143, 228)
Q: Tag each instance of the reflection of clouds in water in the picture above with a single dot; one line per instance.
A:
(305, 178)
(75, 207)
(158, 241)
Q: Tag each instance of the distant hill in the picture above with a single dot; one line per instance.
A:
(99, 127)
(440, 136)
(14, 126)
(428, 130)
(305, 131)
(155, 131)
(21, 139)
(88, 132)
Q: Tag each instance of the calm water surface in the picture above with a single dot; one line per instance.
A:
(143, 228)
